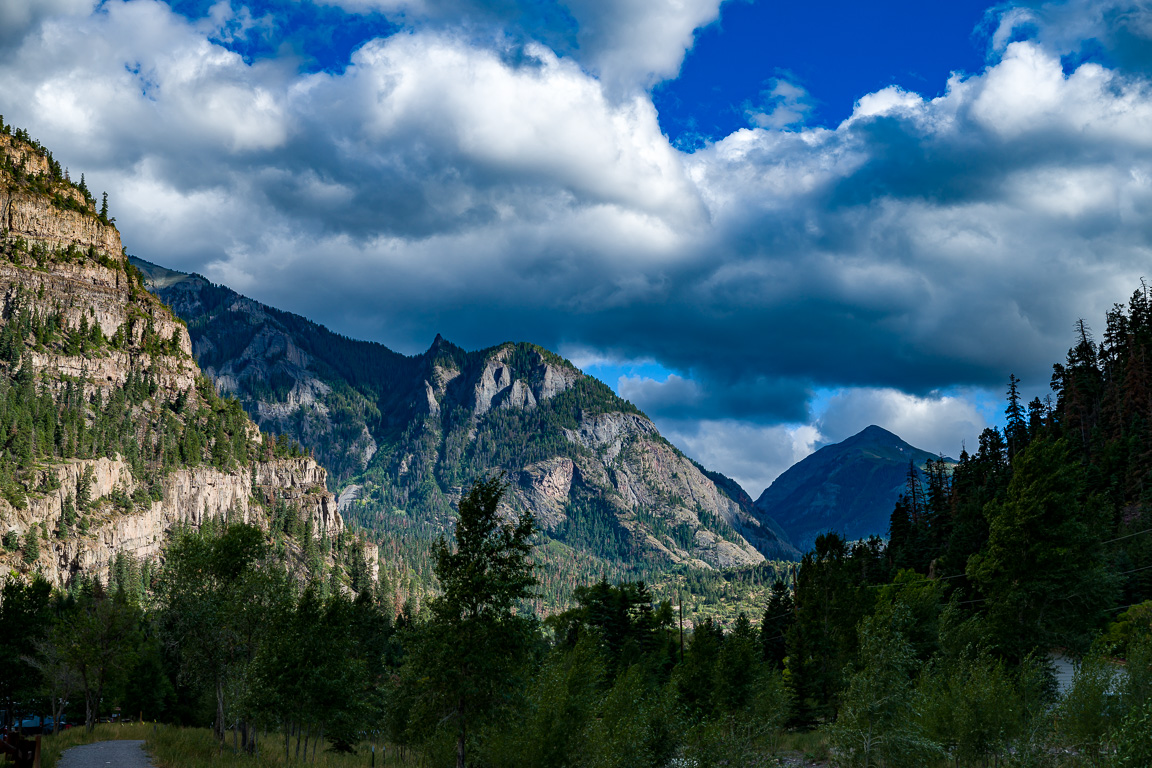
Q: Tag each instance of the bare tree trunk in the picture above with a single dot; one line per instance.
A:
(219, 727)
(316, 742)
(460, 735)
(89, 710)
(93, 701)
(287, 740)
(57, 713)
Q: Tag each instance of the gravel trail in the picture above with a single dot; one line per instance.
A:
(119, 754)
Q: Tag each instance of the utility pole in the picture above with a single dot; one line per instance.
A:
(680, 599)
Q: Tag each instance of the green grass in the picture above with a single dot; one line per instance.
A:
(812, 745)
(174, 747)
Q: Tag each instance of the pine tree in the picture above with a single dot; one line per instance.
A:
(1044, 572)
(474, 642)
(738, 667)
(84, 489)
(778, 618)
(1016, 429)
(31, 545)
(221, 449)
(67, 517)
(830, 601)
(900, 534)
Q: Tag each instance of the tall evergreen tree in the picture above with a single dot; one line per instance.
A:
(471, 649)
(1044, 572)
(778, 618)
(1016, 428)
(831, 597)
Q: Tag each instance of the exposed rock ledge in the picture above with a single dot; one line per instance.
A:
(191, 496)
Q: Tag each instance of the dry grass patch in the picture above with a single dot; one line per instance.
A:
(176, 747)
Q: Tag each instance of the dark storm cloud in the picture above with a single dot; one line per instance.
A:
(757, 399)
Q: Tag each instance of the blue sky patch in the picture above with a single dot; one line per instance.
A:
(324, 36)
(837, 51)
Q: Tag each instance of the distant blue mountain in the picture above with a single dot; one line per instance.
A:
(849, 487)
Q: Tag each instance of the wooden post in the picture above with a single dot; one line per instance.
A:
(36, 754)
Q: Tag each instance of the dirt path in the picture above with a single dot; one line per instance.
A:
(119, 754)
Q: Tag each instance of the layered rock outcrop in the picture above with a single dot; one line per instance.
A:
(33, 216)
(191, 497)
(64, 266)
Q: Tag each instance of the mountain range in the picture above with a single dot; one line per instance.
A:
(114, 421)
(403, 435)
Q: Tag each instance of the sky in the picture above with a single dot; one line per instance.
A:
(767, 224)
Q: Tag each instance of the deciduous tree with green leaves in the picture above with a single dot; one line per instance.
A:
(209, 585)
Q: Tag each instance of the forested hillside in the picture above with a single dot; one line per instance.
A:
(403, 436)
(932, 649)
(1038, 543)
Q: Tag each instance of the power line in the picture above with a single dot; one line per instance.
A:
(1122, 607)
(1126, 536)
(924, 580)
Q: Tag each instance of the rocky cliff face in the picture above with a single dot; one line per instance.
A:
(189, 497)
(649, 477)
(111, 372)
(27, 212)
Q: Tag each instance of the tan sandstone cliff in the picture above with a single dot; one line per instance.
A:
(60, 258)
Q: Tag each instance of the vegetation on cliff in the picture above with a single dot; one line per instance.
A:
(102, 405)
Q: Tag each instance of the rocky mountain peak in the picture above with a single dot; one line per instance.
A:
(848, 487)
